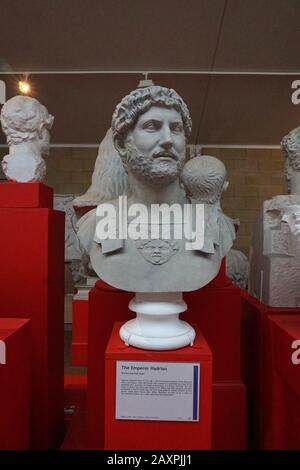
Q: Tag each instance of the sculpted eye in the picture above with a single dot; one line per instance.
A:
(176, 127)
(151, 125)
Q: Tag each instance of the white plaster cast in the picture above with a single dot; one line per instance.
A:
(109, 180)
(237, 268)
(150, 127)
(64, 202)
(274, 276)
(204, 181)
(157, 324)
(26, 124)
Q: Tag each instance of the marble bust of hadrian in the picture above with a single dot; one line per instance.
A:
(150, 129)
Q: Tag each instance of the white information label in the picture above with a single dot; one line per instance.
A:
(159, 391)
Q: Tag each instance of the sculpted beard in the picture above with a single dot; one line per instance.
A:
(147, 167)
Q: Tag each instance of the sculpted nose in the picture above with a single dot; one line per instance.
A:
(166, 138)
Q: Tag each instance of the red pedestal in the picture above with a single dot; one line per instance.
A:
(14, 383)
(140, 434)
(281, 384)
(80, 309)
(221, 280)
(229, 420)
(32, 286)
(26, 195)
(256, 357)
(75, 413)
(106, 305)
(216, 310)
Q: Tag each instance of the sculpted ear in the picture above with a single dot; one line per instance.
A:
(120, 147)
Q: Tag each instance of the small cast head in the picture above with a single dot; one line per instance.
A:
(204, 179)
(25, 119)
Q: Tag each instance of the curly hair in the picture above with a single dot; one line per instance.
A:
(22, 119)
(290, 146)
(203, 178)
(138, 102)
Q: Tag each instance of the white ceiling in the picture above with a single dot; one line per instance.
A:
(259, 36)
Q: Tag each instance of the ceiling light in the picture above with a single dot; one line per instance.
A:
(24, 87)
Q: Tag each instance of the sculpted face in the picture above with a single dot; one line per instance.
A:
(157, 251)
(155, 148)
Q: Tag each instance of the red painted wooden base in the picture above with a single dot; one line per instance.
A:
(216, 310)
(80, 309)
(32, 286)
(15, 352)
(106, 305)
(26, 195)
(229, 419)
(140, 434)
(281, 384)
(256, 357)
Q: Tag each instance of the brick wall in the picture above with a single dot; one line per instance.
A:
(69, 170)
(254, 175)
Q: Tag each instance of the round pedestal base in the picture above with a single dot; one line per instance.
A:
(157, 325)
(131, 335)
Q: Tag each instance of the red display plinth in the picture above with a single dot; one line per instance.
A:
(229, 418)
(106, 305)
(216, 310)
(256, 357)
(221, 280)
(26, 195)
(80, 309)
(75, 413)
(32, 286)
(140, 434)
(281, 383)
(14, 383)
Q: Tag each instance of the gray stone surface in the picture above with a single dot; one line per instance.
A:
(274, 275)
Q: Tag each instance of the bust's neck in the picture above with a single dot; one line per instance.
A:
(148, 194)
(25, 148)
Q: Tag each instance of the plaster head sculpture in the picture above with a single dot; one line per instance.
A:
(290, 145)
(204, 179)
(26, 124)
(150, 127)
(237, 268)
